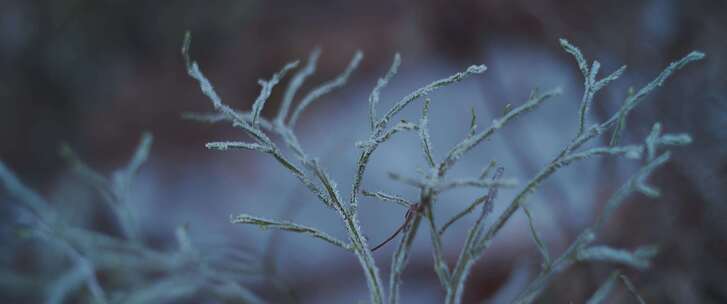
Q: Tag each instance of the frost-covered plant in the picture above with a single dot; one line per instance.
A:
(314, 177)
(121, 269)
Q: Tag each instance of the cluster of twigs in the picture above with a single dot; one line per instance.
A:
(123, 269)
(480, 235)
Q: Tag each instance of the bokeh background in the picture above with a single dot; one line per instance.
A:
(96, 74)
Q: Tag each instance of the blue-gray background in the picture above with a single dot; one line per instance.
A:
(95, 74)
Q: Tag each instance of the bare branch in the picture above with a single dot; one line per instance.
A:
(264, 223)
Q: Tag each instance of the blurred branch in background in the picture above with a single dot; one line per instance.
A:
(132, 271)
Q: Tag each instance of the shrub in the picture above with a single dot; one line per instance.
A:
(313, 176)
(133, 271)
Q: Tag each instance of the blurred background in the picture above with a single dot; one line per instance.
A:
(96, 74)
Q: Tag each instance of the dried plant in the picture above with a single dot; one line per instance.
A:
(453, 278)
(132, 271)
